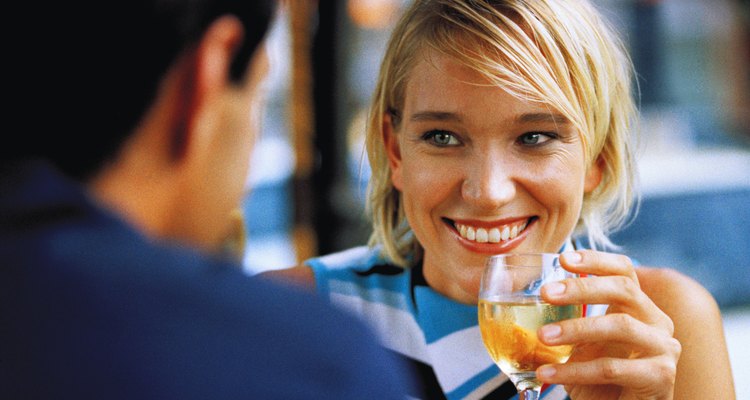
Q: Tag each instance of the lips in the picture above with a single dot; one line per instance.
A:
(491, 234)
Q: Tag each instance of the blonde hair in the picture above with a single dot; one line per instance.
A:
(560, 53)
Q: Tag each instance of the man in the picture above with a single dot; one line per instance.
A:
(132, 148)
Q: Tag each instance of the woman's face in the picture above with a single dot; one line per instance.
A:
(481, 172)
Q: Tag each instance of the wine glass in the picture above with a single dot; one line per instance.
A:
(511, 310)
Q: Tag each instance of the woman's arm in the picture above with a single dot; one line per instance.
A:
(703, 370)
(301, 275)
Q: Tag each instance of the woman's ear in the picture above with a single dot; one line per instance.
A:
(594, 175)
(393, 150)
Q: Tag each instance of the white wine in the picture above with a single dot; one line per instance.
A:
(509, 333)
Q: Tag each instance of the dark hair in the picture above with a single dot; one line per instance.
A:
(85, 72)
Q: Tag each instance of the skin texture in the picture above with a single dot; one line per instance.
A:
(198, 130)
(462, 152)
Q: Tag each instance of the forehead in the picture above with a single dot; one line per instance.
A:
(440, 83)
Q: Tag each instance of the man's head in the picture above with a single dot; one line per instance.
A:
(90, 70)
(149, 103)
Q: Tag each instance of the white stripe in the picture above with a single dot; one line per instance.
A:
(556, 393)
(388, 297)
(396, 328)
(455, 358)
(458, 357)
(596, 309)
(343, 259)
(568, 246)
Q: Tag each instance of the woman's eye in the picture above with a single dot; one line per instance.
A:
(535, 138)
(441, 138)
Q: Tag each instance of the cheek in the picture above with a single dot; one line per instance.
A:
(428, 193)
(232, 170)
(424, 183)
(229, 171)
(560, 188)
(563, 175)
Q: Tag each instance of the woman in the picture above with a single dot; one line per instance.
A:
(504, 126)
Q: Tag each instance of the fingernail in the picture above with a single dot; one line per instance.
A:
(552, 331)
(554, 288)
(545, 372)
(572, 257)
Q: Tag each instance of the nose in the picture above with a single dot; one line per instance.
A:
(489, 182)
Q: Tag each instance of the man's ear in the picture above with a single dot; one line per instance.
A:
(594, 175)
(208, 77)
(393, 150)
(215, 53)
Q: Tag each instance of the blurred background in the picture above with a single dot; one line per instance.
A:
(306, 193)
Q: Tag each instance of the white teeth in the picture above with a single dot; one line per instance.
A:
(506, 233)
(494, 235)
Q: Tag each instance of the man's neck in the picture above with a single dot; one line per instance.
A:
(138, 186)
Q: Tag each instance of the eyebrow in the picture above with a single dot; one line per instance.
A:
(523, 118)
(435, 116)
(542, 117)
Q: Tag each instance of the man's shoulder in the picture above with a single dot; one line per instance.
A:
(138, 318)
(180, 311)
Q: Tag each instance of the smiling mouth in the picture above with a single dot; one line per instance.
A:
(496, 234)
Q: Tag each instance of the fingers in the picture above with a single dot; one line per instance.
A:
(644, 340)
(646, 364)
(632, 346)
(592, 262)
(614, 282)
(621, 293)
(641, 375)
(594, 290)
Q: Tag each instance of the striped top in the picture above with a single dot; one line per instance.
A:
(439, 337)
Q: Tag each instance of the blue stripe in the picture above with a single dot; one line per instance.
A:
(321, 282)
(473, 383)
(440, 316)
(546, 393)
(353, 273)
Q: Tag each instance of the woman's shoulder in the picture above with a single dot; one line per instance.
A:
(360, 257)
(677, 294)
(300, 275)
(670, 283)
(698, 326)
(343, 262)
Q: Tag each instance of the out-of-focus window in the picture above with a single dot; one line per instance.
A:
(267, 207)
(691, 57)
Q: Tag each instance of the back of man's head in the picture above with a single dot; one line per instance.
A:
(84, 73)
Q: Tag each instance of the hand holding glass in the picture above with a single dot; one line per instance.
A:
(511, 310)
